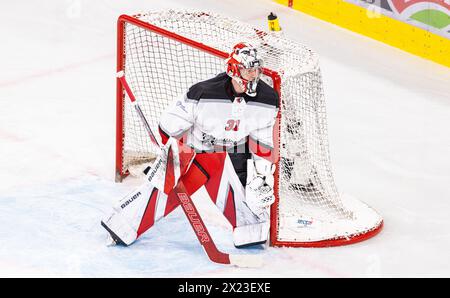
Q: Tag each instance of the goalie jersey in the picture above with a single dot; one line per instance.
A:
(211, 117)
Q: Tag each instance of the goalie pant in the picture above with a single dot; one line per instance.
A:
(141, 209)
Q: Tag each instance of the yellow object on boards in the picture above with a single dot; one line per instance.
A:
(272, 20)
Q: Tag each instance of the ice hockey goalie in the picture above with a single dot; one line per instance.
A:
(219, 134)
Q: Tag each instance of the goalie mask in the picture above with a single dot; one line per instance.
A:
(245, 66)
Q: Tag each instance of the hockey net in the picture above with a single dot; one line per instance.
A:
(163, 53)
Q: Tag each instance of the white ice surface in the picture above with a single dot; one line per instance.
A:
(388, 120)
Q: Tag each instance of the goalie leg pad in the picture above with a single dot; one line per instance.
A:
(253, 234)
(135, 213)
(119, 229)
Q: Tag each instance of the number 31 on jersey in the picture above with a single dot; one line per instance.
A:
(232, 125)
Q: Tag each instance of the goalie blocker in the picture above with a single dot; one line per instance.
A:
(141, 209)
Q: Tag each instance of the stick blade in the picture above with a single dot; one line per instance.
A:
(246, 261)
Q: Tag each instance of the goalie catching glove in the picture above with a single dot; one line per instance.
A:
(259, 193)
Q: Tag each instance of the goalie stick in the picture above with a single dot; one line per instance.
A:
(188, 205)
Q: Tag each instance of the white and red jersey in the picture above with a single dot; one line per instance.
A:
(211, 117)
